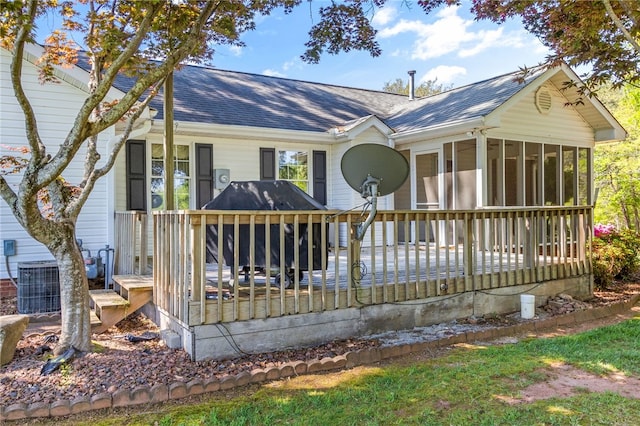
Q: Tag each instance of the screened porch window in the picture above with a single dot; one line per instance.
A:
(182, 177)
(584, 183)
(551, 182)
(527, 173)
(569, 178)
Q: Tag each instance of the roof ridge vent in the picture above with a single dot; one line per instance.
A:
(543, 100)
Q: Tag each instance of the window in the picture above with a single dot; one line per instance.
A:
(293, 166)
(551, 175)
(584, 183)
(532, 170)
(533, 174)
(513, 173)
(182, 178)
(569, 177)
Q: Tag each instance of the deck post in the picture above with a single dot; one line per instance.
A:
(467, 252)
(356, 274)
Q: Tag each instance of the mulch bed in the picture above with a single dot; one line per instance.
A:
(119, 363)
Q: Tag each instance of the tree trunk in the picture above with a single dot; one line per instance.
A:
(74, 294)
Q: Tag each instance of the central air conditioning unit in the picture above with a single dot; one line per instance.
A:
(38, 287)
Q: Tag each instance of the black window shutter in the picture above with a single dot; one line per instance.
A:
(204, 174)
(320, 176)
(267, 164)
(136, 175)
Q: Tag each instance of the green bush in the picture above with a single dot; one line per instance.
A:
(615, 256)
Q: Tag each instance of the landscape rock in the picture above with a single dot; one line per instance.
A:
(564, 304)
(11, 329)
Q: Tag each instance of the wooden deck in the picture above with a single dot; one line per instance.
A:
(405, 263)
(466, 251)
(465, 261)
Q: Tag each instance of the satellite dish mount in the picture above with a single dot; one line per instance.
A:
(369, 189)
(373, 170)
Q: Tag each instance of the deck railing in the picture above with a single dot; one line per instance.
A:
(266, 264)
(131, 236)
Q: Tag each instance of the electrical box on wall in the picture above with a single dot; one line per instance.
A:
(222, 178)
(9, 247)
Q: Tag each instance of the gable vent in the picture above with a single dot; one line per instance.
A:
(543, 100)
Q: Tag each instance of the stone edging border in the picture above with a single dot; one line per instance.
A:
(179, 390)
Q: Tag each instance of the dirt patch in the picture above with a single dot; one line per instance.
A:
(565, 380)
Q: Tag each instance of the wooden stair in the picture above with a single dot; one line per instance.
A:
(130, 293)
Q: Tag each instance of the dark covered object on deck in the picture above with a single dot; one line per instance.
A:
(265, 195)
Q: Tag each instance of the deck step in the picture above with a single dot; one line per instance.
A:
(130, 293)
(107, 298)
(134, 282)
(95, 321)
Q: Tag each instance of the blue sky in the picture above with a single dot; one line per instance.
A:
(446, 44)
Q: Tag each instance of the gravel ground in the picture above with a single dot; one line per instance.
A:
(117, 363)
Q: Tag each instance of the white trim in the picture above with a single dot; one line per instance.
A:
(75, 76)
(184, 128)
(444, 130)
(413, 175)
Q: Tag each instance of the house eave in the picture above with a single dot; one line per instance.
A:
(352, 130)
(186, 128)
(72, 75)
(608, 135)
(442, 130)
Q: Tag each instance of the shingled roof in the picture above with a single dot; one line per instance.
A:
(208, 95)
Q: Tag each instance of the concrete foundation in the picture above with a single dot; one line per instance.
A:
(227, 340)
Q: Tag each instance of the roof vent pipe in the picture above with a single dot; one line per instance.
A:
(412, 75)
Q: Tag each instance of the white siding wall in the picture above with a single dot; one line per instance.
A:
(240, 156)
(345, 197)
(561, 125)
(55, 106)
(120, 181)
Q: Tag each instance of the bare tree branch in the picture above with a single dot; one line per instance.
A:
(83, 128)
(31, 124)
(616, 20)
(92, 175)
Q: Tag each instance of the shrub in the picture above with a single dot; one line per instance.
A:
(615, 255)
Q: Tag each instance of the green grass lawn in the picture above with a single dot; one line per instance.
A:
(469, 385)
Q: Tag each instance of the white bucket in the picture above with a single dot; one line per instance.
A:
(527, 306)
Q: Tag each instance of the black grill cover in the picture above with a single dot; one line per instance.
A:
(265, 195)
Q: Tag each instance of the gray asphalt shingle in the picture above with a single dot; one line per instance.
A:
(208, 95)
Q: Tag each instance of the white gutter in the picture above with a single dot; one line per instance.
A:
(440, 130)
(186, 128)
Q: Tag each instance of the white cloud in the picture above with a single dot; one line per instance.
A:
(273, 73)
(451, 33)
(484, 41)
(444, 74)
(384, 16)
(443, 36)
(236, 50)
(294, 63)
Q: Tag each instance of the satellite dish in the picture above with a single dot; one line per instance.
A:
(373, 170)
(366, 163)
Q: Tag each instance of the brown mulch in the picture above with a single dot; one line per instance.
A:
(118, 363)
